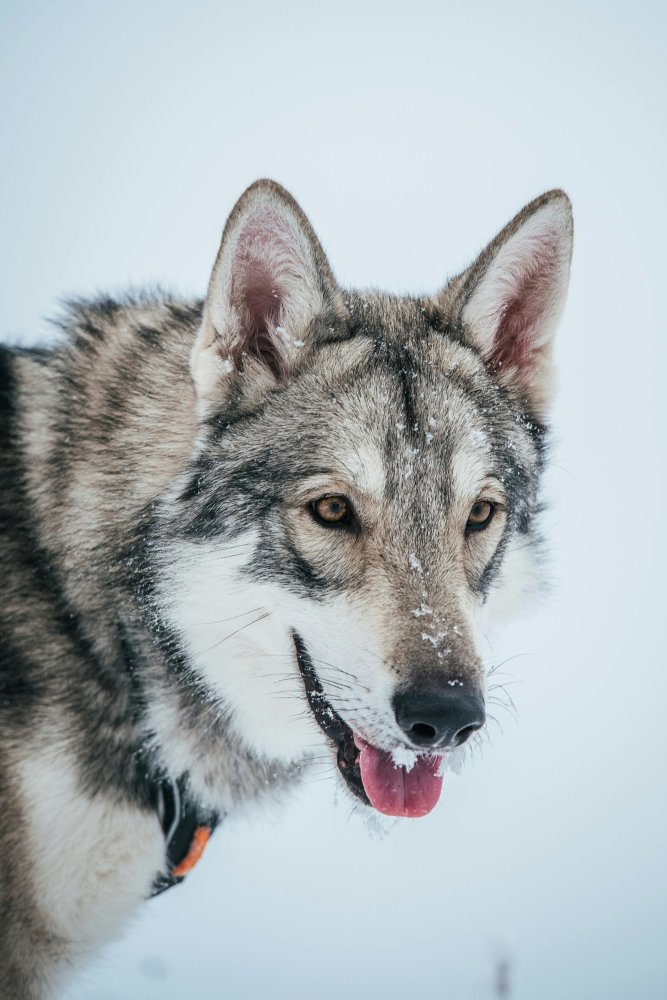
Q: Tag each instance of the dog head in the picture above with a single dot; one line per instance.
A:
(365, 479)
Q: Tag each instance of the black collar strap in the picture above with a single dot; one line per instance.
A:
(186, 831)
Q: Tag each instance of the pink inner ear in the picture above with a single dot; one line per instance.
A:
(262, 302)
(263, 248)
(516, 342)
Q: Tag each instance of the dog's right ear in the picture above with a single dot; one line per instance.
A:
(270, 283)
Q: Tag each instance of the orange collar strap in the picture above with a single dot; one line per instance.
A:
(187, 831)
(200, 839)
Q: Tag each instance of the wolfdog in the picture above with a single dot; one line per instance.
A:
(240, 532)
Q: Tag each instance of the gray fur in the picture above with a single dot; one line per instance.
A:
(118, 455)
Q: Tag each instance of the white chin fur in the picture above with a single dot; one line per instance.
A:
(237, 635)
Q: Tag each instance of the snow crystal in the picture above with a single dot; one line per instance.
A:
(377, 825)
(422, 610)
(435, 640)
(227, 366)
(415, 563)
(404, 757)
(286, 337)
(453, 761)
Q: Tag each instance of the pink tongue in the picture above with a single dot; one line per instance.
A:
(395, 791)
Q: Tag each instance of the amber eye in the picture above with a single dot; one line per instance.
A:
(480, 516)
(333, 510)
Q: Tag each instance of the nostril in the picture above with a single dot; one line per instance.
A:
(464, 734)
(422, 731)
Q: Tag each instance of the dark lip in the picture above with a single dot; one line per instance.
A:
(331, 724)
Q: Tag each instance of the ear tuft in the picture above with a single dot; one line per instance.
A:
(511, 299)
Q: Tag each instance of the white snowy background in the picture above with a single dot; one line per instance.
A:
(410, 133)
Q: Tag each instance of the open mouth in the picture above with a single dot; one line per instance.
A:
(372, 775)
(331, 723)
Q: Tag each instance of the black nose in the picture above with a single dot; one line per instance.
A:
(438, 717)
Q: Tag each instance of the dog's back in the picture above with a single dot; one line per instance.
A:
(25, 689)
(72, 803)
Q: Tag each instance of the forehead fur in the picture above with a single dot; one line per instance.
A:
(405, 382)
(395, 404)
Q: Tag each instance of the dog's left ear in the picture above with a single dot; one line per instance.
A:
(270, 283)
(510, 300)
